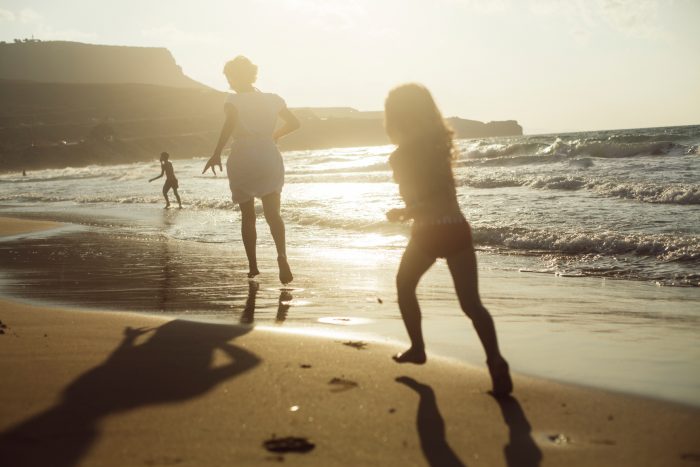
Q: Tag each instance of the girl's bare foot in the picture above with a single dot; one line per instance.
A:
(252, 272)
(285, 272)
(412, 355)
(500, 377)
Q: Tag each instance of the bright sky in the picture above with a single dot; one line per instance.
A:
(552, 65)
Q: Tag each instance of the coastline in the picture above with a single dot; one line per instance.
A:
(560, 329)
(116, 388)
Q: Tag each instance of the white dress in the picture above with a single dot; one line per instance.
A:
(255, 166)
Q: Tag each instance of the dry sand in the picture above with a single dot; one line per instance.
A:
(120, 389)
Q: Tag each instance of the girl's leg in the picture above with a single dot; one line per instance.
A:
(271, 208)
(414, 264)
(464, 273)
(249, 235)
(166, 188)
(177, 196)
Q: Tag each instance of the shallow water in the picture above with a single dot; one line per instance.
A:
(616, 204)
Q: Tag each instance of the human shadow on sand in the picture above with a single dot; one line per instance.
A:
(521, 450)
(431, 427)
(173, 365)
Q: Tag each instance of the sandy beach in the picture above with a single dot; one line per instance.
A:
(116, 388)
(84, 388)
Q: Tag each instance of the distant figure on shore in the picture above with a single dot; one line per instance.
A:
(255, 168)
(24, 173)
(166, 167)
(422, 166)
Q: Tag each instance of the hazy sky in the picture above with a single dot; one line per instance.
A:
(552, 65)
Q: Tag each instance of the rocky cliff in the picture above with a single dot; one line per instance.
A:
(74, 62)
(71, 104)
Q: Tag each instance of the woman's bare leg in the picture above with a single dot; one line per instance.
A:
(249, 235)
(414, 264)
(464, 274)
(271, 208)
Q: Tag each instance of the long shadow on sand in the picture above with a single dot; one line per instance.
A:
(521, 450)
(173, 365)
(431, 427)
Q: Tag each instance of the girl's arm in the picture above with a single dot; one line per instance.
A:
(291, 124)
(225, 134)
(407, 213)
(162, 171)
(439, 202)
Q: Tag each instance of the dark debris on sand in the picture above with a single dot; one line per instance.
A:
(342, 384)
(559, 439)
(288, 444)
(359, 345)
(305, 365)
(3, 326)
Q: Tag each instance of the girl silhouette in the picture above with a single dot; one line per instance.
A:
(422, 166)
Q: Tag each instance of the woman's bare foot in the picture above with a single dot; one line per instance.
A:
(412, 355)
(253, 271)
(285, 272)
(500, 378)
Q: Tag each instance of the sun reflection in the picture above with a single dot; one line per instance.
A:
(346, 192)
(357, 257)
(312, 332)
(372, 240)
(344, 320)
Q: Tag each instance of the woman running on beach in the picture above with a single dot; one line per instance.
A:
(422, 166)
(254, 167)
(166, 167)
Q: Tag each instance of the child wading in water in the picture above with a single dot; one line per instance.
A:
(166, 167)
(422, 166)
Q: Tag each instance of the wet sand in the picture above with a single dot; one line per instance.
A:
(577, 330)
(82, 388)
(10, 226)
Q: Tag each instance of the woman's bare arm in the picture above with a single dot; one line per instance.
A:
(226, 130)
(291, 124)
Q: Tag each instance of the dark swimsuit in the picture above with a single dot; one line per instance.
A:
(421, 176)
(443, 239)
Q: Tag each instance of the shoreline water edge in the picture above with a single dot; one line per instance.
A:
(134, 389)
(588, 248)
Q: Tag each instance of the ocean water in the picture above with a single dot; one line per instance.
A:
(588, 244)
